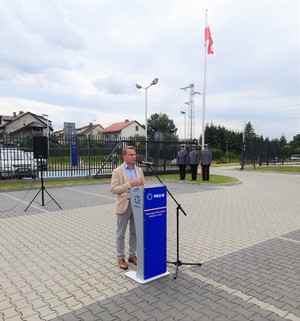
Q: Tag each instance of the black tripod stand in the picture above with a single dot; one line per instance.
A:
(178, 262)
(42, 189)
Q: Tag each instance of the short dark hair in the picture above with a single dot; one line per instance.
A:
(126, 148)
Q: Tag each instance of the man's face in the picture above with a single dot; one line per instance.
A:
(130, 157)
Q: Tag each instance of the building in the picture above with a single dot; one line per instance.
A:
(93, 130)
(22, 124)
(89, 130)
(125, 129)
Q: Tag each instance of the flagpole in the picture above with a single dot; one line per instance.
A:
(204, 90)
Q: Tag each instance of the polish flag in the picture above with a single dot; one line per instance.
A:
(210, 41)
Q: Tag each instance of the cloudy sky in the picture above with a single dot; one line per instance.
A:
(79, 60)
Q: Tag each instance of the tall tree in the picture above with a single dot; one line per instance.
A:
(283, 141)
(161, 123)
(221, 138)
(249, 130)
(295, 144)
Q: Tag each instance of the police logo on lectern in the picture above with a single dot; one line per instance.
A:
(137, 201)
(149, 197)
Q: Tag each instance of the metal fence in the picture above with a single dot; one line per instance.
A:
(93, 156)
(78, 156)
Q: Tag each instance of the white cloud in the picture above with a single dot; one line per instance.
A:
(80, 60)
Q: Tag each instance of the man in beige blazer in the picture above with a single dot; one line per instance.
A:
(125, 177)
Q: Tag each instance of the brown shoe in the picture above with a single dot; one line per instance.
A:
(122, 264)
(133, 260)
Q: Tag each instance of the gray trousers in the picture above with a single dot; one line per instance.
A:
(122, 222)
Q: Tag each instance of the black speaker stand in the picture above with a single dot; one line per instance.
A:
(42, 189)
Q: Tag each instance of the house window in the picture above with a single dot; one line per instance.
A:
(136, 128)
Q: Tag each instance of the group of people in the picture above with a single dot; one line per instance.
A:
(193, 159)
(127, 176)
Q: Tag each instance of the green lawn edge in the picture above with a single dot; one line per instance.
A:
(8, 185)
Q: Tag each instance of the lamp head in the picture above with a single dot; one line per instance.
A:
(138, 86)
(183, 112)
(154, 81)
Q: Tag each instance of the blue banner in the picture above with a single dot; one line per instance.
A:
(155, 231)
(74, 153)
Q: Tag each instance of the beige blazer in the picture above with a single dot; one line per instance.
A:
(120, 187)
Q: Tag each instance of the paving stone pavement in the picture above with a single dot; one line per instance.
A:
(59, 264)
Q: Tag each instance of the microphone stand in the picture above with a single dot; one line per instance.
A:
(179, 208)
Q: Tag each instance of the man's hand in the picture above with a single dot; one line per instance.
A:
(136, 182)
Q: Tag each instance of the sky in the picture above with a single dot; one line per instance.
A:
(79, 60)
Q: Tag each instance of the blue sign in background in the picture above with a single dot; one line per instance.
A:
(155, 231)
(74, 153)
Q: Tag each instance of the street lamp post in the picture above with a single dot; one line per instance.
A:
(184, 113)
(45, 115)
(154, 82)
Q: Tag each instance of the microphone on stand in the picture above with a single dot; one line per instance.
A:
(145, 163)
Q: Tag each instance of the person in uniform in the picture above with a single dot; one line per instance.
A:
(182, 161)
(194, 157)
(205, 161)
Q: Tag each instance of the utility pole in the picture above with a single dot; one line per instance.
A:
(48, 134)
(191, 113)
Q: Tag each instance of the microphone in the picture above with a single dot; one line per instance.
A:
(145, 163)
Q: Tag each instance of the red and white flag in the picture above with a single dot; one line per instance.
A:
(210, 41)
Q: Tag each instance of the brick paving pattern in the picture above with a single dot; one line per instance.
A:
(60, 265)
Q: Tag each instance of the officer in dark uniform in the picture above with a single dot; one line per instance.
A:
(182, 161)
(194, 161)
(205, 161)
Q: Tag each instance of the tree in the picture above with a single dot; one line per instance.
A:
(249, 130)
(284, 147)
(295, 144)
(283, 141)
(251, 143)
(161, 123)
(221, 138)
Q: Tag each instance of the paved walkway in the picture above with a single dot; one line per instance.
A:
(60, 265)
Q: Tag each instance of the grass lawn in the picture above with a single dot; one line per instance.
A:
(213, 179)
(276, 168)
(15, 184)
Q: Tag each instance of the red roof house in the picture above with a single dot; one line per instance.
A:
(125, 129)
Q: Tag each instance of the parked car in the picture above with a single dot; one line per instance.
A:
(6, 170)
(15, 163)
(295, 157)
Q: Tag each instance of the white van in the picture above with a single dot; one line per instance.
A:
(15, 163)
(295, 157)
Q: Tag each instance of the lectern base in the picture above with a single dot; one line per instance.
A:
(132, 275)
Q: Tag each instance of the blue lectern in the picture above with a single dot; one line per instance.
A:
(149, 207)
